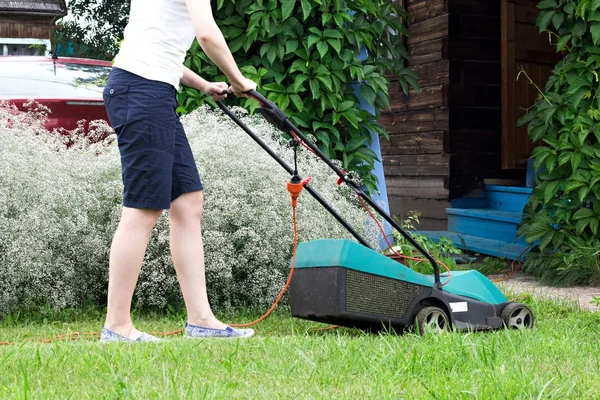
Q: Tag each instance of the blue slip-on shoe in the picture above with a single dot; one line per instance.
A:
(110, 336)
(193, 331)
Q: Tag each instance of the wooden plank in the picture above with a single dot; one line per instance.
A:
(427, 52)
(507, 38)
(420, 10)
(429, 29)
(474, 49)
(474, 141)
(474, 72)
(430, 188)
(20, 31)
(435, 73)
(476, 95)
(429, 97)
(432, 211)
(473, 118)
(414, 143)
(475, 7)
(480, 165)
(541, 57)
(417, 165)
(473, 26)
(528, 37)
(526, 12)
(415, 121)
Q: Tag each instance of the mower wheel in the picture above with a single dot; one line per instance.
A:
(517, 316)
(431, 319)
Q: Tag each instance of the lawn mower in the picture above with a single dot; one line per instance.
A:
(342, 282)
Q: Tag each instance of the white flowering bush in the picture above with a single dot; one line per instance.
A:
(60, 202)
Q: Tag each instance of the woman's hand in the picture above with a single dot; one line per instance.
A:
(216, 90)
(241, 88)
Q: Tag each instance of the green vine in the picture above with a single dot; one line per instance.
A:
(304, 56)
(566, 200)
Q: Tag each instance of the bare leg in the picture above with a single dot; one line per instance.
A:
(187, 250)
(126, 257)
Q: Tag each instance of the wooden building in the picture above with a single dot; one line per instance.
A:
(27, 23)
(459, 132)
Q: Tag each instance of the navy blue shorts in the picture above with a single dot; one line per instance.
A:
(156, 158)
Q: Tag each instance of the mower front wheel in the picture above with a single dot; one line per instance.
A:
(431, 319)
(517, 316)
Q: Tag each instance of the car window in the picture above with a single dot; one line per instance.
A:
(47, 79)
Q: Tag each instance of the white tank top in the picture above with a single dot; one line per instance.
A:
(157, 37)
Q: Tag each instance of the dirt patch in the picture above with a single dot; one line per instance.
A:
(522, 283)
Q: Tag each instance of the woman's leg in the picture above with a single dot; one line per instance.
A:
(126, 257)
(187, 250)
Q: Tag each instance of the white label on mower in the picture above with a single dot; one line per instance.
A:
(461, 306)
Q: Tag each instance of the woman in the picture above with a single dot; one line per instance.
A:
(158, 168)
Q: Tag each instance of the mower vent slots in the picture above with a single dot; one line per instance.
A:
(374, 294)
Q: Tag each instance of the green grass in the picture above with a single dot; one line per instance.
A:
(289, 358)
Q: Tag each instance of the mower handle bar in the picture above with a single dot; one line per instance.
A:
(275, 116)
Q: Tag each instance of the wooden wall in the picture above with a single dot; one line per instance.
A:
(26, 27)
(446, 139)
(416, 159)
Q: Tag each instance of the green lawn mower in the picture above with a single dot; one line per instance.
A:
(347, 283)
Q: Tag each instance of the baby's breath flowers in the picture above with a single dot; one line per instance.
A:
(60, 201)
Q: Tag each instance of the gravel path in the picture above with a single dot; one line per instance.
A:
(523, 283)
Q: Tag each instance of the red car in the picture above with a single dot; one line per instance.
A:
(70, 87)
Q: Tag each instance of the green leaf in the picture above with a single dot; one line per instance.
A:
(583, 213)
(551, 189)
(536, 230)
(297, 101)
(346, 105)
(562, 42)
(546, 239)
(300, 79)
(306, 9)
(575, 161)
(368, 93)
(595, 31)
(287, 7)
(339, 20)
(332, 33)
(558, 19)
(312, 39)
(354, 143)
(583, 192)
(572, 185)
(579, 28)
(291, 46)
(547, 4)
(322, 48)
(336, 44)
(323, 137)
(315, 89)
(581, 225)
(544, 19)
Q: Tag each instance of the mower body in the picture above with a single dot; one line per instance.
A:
(344, 283)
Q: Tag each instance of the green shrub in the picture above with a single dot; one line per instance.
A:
(59, 209)
(566, 200)
(303, 54)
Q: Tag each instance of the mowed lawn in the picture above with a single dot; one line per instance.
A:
(292, 359)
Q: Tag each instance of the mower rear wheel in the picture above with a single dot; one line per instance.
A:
(431, 319)
(517, 316)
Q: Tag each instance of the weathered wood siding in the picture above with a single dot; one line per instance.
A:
(26, 27)
(446, 139)
(416, 159)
